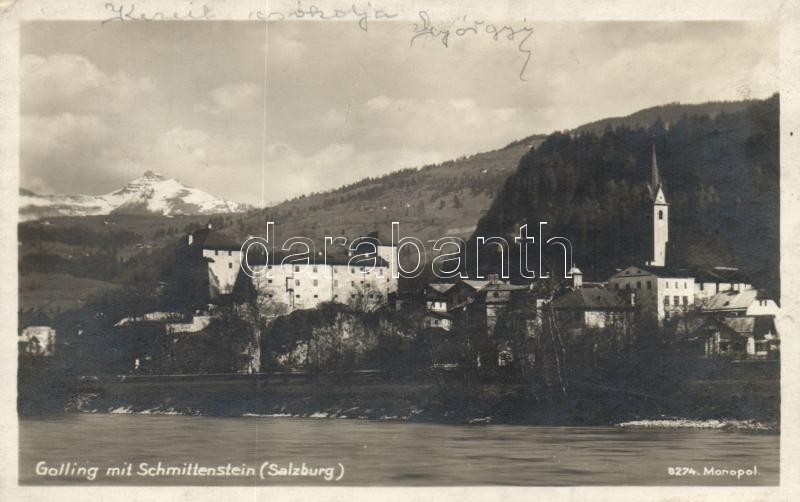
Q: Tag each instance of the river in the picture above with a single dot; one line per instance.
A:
(359, 452)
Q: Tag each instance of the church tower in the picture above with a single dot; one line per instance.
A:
(659, 217)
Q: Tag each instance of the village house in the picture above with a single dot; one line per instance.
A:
(436, 296)
(659, 290)
(436, 319)
(480, 303)
(718, 279)
(745, 337)
(592, 307)
(748, 302)
(37, 341)
(739, 324)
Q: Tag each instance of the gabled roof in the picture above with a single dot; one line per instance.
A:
(731, 300)
(475, 284)
(664, 272)
(590, 299)
(441, 287)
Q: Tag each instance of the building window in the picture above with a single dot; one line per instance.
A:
(676, 284)
(297, 296)
(638, 284)
(660, 214)
(269, 281)
(649, 285)
(296, 268)
(216, 252)
(666, 301)
(316, 296)
(686, 300)
(676, 300)
(666, 285)
(701, 286)
(314, 270)
(230, 265)
(352, 283)
(316, 282)
(297, 282)
(229, 252)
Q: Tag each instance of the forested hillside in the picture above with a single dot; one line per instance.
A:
(722, 182)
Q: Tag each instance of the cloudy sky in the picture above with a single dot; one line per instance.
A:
(102, 104)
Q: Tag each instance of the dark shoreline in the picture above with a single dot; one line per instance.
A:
(406, 398)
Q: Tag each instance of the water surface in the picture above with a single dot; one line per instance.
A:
(388, 453)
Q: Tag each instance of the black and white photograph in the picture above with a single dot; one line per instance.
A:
(354, 244)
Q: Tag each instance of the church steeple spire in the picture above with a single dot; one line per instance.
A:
(655, 180)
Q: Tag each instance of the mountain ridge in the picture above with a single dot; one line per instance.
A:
(151, 193)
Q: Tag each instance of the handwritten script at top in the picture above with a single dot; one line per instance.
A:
(460, 27)
(444, 32)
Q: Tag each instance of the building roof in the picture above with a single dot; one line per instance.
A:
(207, 238)
(442, 315)
(664, 272)
(475, 284)
(277, 257)
(441, 287)
(746, 325)
(731, 300)
(721, 274)
(590, 299)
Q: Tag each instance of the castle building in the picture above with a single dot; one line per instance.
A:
(362, 281)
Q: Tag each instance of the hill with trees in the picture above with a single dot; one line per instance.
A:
(721, 176)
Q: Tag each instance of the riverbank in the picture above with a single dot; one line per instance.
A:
(752, 405)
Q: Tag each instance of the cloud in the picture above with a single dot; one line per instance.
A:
(61, 148)
(455, 125)
(72, 83)
(182, 142)
(231, 98)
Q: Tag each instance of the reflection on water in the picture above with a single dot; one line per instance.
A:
(382, 453)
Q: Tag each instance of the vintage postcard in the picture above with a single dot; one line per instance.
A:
(302, 250)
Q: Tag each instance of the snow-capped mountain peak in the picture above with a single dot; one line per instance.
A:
(150, 193)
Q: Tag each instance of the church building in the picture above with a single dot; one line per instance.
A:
(663, 290)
